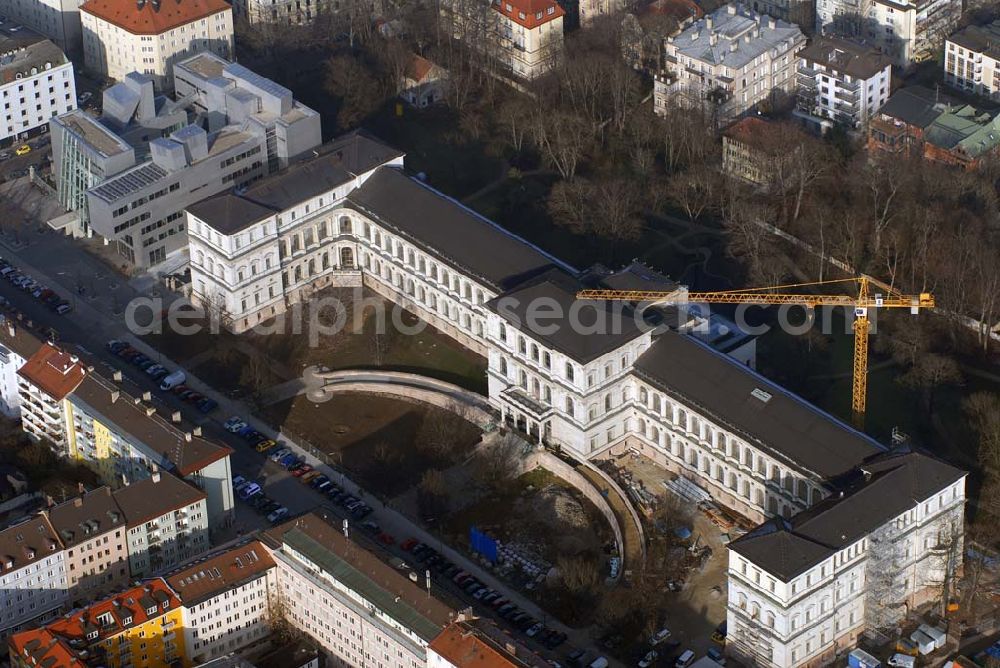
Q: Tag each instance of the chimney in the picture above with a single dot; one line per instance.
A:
(713, 39)
(187, 436)
(78, 502)
(155, 477)
(150, 411)
(80, 488)
(731, 9)
(196, 431)
(114, 396)
(708, 22)
(49, 501)
(175, 416)
(733, 45)
(147, 396)
(11, 328)
(117, 376)
(771, 23)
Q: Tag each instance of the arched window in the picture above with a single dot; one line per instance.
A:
(347, 258)
(199, 258)
(569, 372)
(503, 367)
(643, 396)
(569, 406)
(607, 402)
(769, 619)
(345, 225)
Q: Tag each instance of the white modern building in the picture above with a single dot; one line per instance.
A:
(907, 31)
(842, 82)
(32, 574)
(524, 37)
(150, 36)
(361, 610)
(225, 599)
(167, 522)
(802, 591)
(972, 60)
(729, 62)
(36, 83)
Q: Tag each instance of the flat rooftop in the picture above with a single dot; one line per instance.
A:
(207, 65)
(93, 134)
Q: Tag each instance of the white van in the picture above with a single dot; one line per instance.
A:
(685, 659)
(902, 661)
(599, 662)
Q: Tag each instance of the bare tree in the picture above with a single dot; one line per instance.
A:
(498, 462)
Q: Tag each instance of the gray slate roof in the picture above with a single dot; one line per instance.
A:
(448, 230)
(882, 488)
(229, 213)
(915, 105)
(530, 308)
(724, 42)
(786, 426)
(338, 164)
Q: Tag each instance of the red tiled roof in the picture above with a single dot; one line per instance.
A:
(463, 647)
(131, 604)
(153, 18)
(222, 572)
(773, 136)
(418, 68)
(527, 12)
(53, 371)
(41, 647)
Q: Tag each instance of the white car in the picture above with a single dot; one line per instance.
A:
(234, 424)
(533, 631)
(659, 636)
(648, 660)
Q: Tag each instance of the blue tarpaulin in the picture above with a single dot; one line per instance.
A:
(483, 544)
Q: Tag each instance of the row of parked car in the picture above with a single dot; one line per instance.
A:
(531, 627)
(33, 287)
(168, 380)
(252, 493)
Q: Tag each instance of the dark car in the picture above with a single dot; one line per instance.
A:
(207, 405)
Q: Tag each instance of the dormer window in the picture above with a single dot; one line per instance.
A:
(127, 620)
(92, 635)
(151, 611)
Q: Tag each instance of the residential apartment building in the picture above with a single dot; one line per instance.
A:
(465, 644)
(36, 83)
(32, 574)
(524, 37)
(972, 60)
(919, 122)
(361, 610)
(167, 523)
(149, 36)
(130, 174)
(136, 627)
(225, 600)
(802, 591)
(798, 12)
(58, 20)
(842, 82)
(92, 530)
(729, 62)
(14, 353)
(97, 422)
(44, 383)
(907, 31)
(754, 149)
(288, 12)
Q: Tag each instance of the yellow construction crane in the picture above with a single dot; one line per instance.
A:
(867, 297)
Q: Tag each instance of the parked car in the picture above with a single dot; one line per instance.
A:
(173, 380)
(207, 405)
(275, 456)
(648, 660)
(715, 655)
(23, 149)
(278, 515)
(250, 491)
(234, 424)
(659, 636)
(238, 480)
(265, 445)
(685, 659)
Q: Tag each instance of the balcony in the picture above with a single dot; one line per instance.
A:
(847, 96)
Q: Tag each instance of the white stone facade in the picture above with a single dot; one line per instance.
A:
(42, 87)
